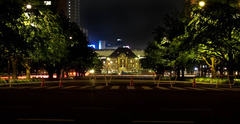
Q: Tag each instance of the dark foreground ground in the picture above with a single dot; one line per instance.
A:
(80, 103)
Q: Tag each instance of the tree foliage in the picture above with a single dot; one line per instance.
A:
(214, 30)
(165, 53)
(40, 36)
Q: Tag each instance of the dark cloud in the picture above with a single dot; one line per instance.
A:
(131, 20)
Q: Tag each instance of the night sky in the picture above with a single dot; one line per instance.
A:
(131, 20)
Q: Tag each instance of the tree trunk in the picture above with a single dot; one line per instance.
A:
(67, 73)
(14, 69)
(213, 66)
(28, 73)
(182, 73)
(221, 68)
(26, 65)
(8, 71)
(213, 73)
(50, 71)
(178, 72)
(58, 73)
(230, 65)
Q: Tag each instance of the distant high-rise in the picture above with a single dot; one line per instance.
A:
(73, 13)
(71, 8)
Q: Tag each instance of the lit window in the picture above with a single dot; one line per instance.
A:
(48, 3)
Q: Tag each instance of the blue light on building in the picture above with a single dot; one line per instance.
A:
(92, 46)
(100, 45)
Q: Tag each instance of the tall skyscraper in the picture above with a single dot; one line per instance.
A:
(74, 11)
(71, 8)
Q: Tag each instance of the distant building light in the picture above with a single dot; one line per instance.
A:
(126, 47)
(119, 39)
(92, 46)
(100, 47)
(48, 3)
(70, 38)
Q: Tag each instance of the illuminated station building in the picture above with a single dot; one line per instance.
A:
(119, 58)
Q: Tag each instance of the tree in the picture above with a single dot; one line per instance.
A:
(215, 29)
(81, 57)
(167, 46)
(182, 58)
(154, 58)
(46, 37)
(12, 44)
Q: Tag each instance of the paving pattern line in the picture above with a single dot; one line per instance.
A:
(69, 87)
(115, 87)
(36, 87)
(21, 87)
(193, 88)
(99, 87)
(164, 122)
(130, 87)
(46, 120)
(55, 87)
(84, 87)
(146, 88)
(163, 88)
(229, 89)
(178, 88)
(215, 89)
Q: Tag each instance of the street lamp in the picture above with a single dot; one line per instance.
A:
(91, 71)
(29, 6)
(201, 3)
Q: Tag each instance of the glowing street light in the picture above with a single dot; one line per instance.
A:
(201, 3)
(91, 71)
(29, 6)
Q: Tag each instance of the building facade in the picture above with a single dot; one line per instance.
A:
(121, 60)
